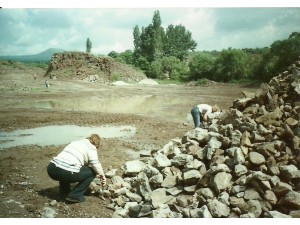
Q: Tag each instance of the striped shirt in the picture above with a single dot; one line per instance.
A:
(77, 154)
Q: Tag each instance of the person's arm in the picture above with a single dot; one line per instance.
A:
(208, 110)
(96, 166)
(99, 170)
(205, 117)
(101, 176)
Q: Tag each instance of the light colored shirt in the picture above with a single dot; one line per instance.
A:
(204, 109)
(77, 154)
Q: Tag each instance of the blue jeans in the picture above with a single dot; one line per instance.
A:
(84, 178)
(196, 116)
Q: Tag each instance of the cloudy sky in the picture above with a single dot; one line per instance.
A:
(35, 29)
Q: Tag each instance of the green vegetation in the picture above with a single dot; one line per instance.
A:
(88, 45)
(42, 65)
(201, 66)
(167, 67)
(170, 55)
(154, 48)
(123, 57)
(24, 65)
(276, 58)
(115, 76)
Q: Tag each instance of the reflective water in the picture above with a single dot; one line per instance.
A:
(140, 104)
(58, 135)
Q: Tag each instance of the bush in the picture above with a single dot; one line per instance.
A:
(115, 76)
(167, 68)
(201, 66)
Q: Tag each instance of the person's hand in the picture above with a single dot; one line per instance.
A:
(103, 182)
(102, 179)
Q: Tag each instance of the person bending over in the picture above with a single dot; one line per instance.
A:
(200, 113)
(77, 163)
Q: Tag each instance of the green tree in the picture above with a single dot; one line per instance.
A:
(127, 56)
(146, 44)
(151, 39)
(137, 45)
(230, 65)
(253, 59)
(265, 68)
(286, 51)
(178, 42)
(142, 63)
(123, 57)
(278, 57)
(152, 42)
(88, 45)
(158, 36)
(136, 38)
(168, 68)
(201, 66)
(155, 69)
(113, 54)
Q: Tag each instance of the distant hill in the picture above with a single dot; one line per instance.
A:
(44, 56)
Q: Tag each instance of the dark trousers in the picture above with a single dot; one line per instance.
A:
(84, 178)
(197, 117)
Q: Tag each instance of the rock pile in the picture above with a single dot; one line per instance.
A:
(84, 66)
(244, 165)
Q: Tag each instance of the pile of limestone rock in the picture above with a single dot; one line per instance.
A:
(84, 66)
(244, 165)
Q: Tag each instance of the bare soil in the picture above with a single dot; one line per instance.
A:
(159, 113)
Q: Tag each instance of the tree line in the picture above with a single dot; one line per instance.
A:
(170, 54)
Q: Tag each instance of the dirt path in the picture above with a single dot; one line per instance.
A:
(159, 114)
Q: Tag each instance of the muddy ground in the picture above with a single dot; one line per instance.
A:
(159, 113)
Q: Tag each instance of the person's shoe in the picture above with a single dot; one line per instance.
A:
(64, 194)
(64, 190)
(72, 200)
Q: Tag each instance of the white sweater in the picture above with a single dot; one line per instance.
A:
(77, 154)
(204, 108)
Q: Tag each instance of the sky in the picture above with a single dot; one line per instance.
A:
(33, 28)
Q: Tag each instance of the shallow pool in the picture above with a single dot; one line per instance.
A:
(59, 135)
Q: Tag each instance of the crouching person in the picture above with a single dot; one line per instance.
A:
(77, 163)
(200, 114)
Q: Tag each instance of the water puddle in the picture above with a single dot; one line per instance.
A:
(59, 135)
(140, 104)
(150, 105)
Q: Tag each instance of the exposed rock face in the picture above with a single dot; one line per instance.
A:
(84, 66)
(244, 165)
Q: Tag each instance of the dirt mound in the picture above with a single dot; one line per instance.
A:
(148, 81)
(84, 66)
